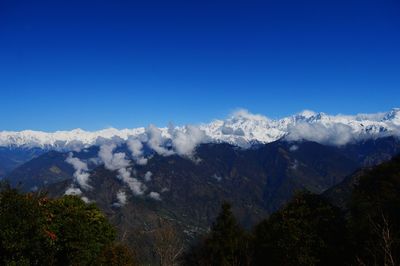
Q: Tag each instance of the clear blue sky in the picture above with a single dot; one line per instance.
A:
(69, 64)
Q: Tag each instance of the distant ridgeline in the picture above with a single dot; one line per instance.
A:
(243, 129)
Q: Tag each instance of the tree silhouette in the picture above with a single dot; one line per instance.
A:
(307, 231)
(226, 244)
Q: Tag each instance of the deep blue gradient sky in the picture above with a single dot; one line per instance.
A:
(69, 64)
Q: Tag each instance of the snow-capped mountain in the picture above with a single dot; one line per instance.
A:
(242, 129)
(63, 139)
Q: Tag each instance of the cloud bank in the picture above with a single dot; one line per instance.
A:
(118, 162)
(81, 175)
(185, 141)
(136, 148)
(336, 134)
(157, 141)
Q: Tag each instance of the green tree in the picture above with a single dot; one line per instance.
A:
(24, 234)
(35, 230)
(81, 231)
(226, 244)
(307, 231)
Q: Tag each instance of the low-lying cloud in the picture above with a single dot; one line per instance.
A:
(335, 134)
(74, 191)
(118, 162)
(112, 161)
(157, 141)
(155, 195)
(81, 175)
(181, 141)
(147, 176)
(185, 141)
(136, 148)
(121, 199)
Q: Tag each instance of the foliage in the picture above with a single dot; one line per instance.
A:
(307, 231)
(226, 244)
(23, 223)
(36, 230)
(81, 230)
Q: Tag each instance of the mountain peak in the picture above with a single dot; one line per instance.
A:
(242, 129)
(393, 116)
(307, 114)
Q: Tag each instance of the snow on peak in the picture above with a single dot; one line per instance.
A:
(307, 114)
(242, 128)
(62, 139)
(393, 116)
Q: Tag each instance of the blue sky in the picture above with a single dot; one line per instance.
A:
(70, 64)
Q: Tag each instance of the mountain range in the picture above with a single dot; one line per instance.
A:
(241, 129)
(183, 174)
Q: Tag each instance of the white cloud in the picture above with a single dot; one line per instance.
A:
(73, 191)
(372, 117)
(217, 177)
(85, 199)
(118, 162)
(147, 176)
(141, 161)
(243, 113)
(81, 175)
(155, 195)
(136, 148)
(137, 187)
(294, 165)
(112, 161)
(95, 161)
(293, 148)
(156, 141)
(121, 199)
(185, 141)
(334, 134)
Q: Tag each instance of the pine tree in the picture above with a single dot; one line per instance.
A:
(226, 244)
